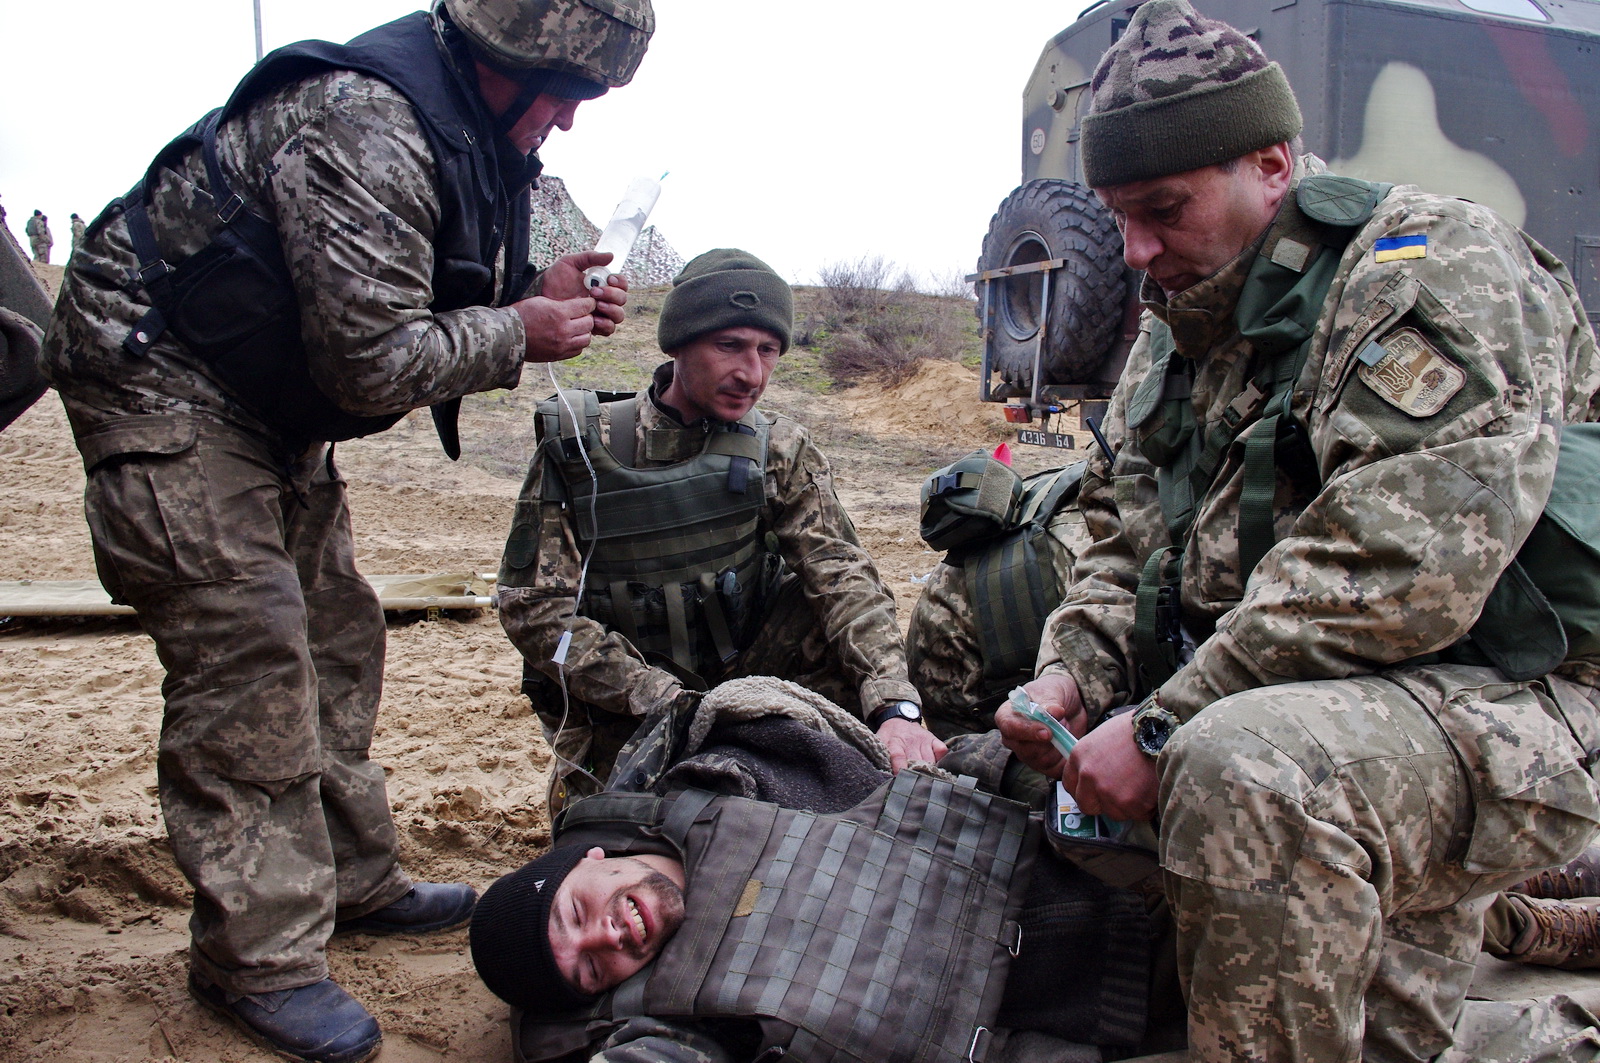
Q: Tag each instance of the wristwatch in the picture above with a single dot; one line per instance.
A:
(1152, 726)
(894, 710)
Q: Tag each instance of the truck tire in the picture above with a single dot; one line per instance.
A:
(1049, 219)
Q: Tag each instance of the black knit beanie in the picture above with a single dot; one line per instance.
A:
(510, 935)
(1179, 91)
(725, 288)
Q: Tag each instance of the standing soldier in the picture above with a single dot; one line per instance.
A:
(1337, 429)
(78, 227)
(345, 240)
(37, 231)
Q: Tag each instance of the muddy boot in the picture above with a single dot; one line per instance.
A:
(1580, 878)
(1550, 933)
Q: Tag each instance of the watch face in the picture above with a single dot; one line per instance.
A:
(1152, 735)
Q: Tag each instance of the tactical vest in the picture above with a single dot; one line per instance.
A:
(1547, 600)
(233, 304)
(679, 559)
(884, 932)
(990, 521)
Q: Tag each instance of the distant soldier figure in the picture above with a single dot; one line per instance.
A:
(78, 227)
(38, 233)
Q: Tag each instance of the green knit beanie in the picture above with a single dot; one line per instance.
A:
(721, 289)
(1179, 91)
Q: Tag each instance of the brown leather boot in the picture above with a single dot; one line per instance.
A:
(1580, 878)
(1550, 933)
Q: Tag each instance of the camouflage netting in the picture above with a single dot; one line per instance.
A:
(560, 228)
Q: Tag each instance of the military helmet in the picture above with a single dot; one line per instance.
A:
(598, 40)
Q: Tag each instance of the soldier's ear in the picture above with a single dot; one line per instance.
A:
(595, 853)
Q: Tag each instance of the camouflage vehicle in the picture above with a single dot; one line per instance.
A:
(1497, 101)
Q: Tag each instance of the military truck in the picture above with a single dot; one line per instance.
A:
(1497, 101)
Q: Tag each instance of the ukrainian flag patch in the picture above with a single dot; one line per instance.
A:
(1391, 248)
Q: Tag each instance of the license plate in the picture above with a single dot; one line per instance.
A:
(1059, 440)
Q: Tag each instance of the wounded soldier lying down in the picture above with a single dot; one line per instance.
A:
(771, 889)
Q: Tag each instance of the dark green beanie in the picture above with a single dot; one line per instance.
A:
(725, 288)
(1179, 91)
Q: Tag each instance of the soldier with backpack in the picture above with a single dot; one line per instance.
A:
(1010, 544)
(37, 230)
(1304, 642)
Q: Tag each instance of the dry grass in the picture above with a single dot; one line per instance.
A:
(869, 323)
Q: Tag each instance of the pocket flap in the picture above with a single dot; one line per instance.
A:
(147, 434)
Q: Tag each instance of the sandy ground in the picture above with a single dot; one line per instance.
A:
(93, 913)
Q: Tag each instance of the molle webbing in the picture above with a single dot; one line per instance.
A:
(880, 933)
(679, 560)
(1010, 583)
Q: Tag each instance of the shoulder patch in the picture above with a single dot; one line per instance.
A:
(1410, 373)
(1392, 248)
(1343, 201)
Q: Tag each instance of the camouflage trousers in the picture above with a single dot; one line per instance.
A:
(1330, 849)
(586, 738)
(243, 572)
(41, 248)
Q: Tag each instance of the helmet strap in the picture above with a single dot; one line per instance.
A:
(513, 114)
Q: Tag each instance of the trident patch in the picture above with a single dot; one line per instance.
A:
(1410, 373)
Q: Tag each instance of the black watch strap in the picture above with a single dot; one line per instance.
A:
(889, 710)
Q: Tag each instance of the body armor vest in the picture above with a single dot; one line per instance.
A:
(681, 564)
(881, 933)
(233, 304)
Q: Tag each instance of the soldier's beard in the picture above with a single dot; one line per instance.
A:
(664, 902)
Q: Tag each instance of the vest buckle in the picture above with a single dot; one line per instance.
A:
(976, 1051)
(154, 271)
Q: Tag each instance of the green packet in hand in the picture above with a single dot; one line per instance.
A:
(1068, 818)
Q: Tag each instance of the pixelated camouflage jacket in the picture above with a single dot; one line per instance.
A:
(341, 166)
(1425, 496)
(816, 538)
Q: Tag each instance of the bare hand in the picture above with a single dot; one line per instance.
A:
(563, 279)
(1058, 695)
(909, 742)
(1109, 775)
(556, 329)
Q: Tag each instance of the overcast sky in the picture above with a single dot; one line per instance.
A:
(805, 131)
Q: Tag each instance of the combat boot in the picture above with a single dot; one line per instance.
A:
(1580, 878)
(318, 1023)
(428, 906)
(1550, 933)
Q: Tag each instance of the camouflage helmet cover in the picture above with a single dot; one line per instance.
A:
(597, 40)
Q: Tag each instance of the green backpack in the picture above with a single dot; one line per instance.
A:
(989, 520)
(969, 501)
(1546, 605)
